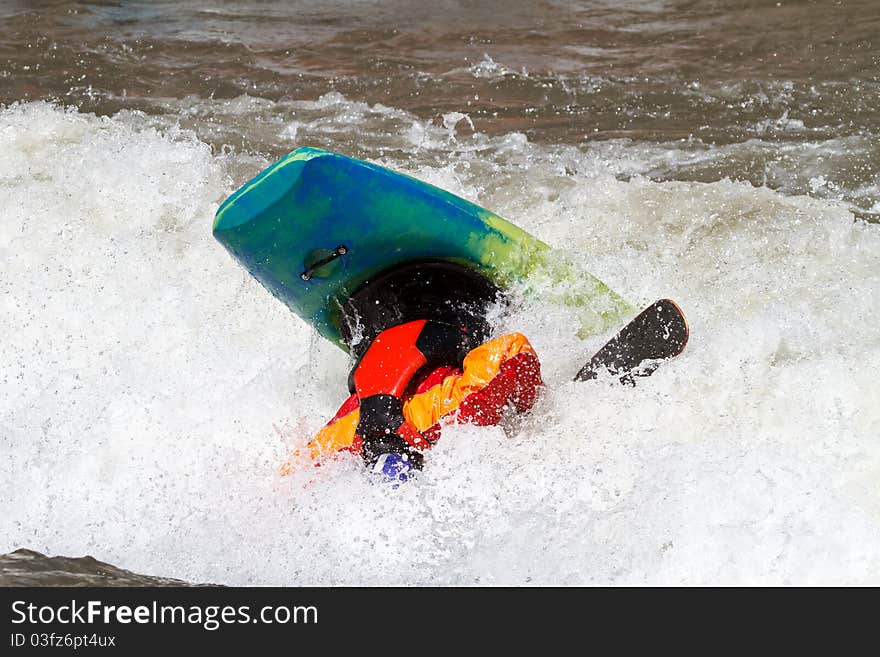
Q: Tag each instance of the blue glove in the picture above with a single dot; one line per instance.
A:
(394, 467)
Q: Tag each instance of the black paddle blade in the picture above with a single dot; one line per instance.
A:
(658, 333)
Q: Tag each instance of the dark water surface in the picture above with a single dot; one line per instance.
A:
(694, 74)
(562, 70)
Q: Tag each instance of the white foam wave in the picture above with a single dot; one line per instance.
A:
(150, 388)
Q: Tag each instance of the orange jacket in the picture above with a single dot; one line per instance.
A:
(500, 372)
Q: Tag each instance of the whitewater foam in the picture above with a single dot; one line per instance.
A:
(150, 388)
